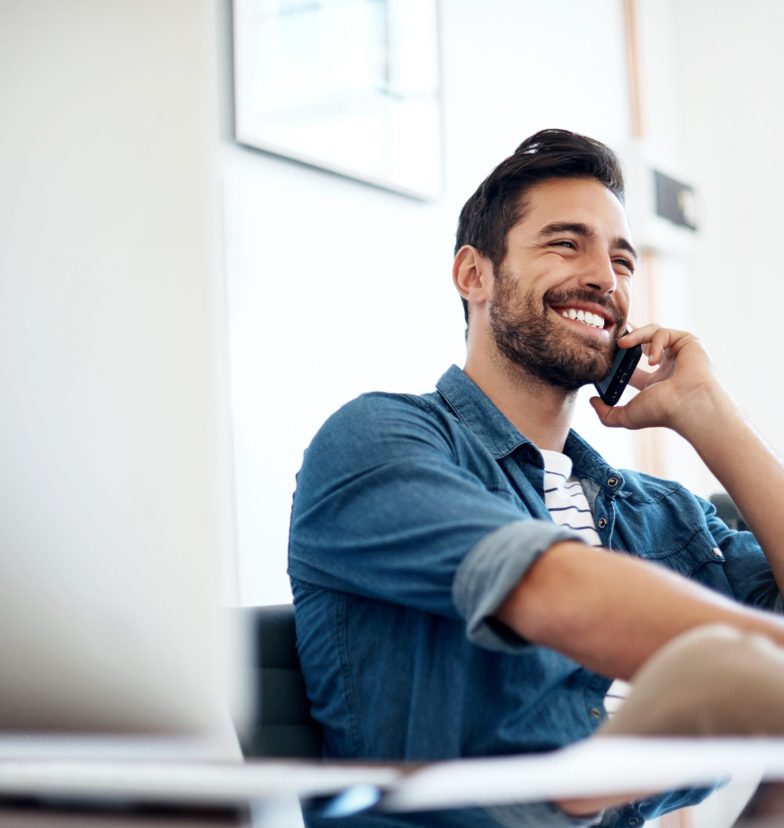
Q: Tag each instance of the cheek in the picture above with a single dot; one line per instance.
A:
(624, 298)
(563, 275)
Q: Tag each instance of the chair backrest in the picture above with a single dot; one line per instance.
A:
(282, 725)
(728, 511)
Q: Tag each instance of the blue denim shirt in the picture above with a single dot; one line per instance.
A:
(414, 517)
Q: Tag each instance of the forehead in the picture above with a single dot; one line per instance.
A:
(574, 200)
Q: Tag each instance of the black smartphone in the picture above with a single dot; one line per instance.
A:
(611, 387)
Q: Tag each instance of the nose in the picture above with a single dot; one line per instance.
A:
(600, 275)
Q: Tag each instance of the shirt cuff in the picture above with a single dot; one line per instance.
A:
(540, 815)
(492, 569)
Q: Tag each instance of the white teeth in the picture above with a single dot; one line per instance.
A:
(592, 319)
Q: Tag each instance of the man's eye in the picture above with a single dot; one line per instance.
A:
(628, 264)
(565, 243)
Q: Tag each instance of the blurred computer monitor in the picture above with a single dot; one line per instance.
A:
(114, 513)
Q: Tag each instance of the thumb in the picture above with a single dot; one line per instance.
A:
(612, 417)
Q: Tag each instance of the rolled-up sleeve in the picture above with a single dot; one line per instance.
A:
(492, 569)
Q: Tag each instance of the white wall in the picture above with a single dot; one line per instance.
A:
(731, 65)
(712, 88)
(710, 74)
(337, 288)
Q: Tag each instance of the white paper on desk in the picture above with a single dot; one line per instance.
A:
(595, 766)
(191, 782)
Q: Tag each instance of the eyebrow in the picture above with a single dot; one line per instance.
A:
(584, 230)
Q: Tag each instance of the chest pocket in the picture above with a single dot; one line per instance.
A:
(688, 557)
(670, 530)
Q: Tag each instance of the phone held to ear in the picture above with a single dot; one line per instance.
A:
(611, 387)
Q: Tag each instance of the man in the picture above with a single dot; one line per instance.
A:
(469, 575)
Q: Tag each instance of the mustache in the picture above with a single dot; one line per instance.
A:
(554, 297)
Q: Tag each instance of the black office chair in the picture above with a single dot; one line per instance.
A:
(281, 725)
(728, 511)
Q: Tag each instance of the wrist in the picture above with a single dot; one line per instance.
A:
(705, 407)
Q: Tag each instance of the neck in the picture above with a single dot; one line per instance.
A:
(540, 411)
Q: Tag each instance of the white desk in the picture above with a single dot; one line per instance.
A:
(268, 790)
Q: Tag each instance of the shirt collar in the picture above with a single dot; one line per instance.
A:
(587, 462)
(474, 408)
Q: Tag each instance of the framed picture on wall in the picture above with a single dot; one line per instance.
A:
(352, 86)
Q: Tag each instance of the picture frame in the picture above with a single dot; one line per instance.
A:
(350, 86)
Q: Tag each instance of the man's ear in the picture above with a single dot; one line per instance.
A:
(472, 274)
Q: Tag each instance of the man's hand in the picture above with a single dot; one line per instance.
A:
(680, 389)
(682, 393)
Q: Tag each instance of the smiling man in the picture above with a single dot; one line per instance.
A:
(469, 574)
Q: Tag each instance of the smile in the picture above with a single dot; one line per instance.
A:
(591, 319)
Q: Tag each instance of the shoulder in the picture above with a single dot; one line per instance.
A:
(384, 417)
(387, 406)
(382, 427)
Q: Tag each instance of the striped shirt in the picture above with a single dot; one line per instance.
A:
(567, 504)
(565, 498)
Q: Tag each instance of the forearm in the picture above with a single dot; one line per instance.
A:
(611, 612)
(746, 466)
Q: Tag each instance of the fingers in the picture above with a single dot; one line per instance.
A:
(640, 378)
(676, 365)
(639, 336)
(661, 340)
(654, 339)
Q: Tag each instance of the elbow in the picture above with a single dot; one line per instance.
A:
(544, 607)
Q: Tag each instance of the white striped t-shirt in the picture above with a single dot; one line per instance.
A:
(565, 499)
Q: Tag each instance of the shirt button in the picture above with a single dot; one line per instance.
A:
(596, 713)
(601, 523)
(718, 553)
(612, 482)
(633, 821)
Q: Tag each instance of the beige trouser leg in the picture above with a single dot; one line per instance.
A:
(710, 681)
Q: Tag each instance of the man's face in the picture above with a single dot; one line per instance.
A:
(561, 295)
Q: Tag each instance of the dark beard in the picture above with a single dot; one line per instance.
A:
(528, 338)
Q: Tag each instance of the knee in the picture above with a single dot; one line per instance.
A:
(717, 653)
(713, 680)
